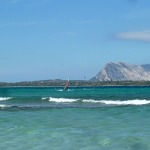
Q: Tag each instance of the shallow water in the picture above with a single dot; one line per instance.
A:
(30, 120)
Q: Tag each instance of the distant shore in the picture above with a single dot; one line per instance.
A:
(73, 83)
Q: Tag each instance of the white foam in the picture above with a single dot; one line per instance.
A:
(4, 106)
(91, 101)
(107, 102)
(62, 100)
(128, 102)
(5, 98)
(44, 98)
(60, 90)
(118, 102)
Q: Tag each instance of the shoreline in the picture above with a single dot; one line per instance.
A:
(74, 83)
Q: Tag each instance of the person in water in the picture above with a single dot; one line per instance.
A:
(66, 86)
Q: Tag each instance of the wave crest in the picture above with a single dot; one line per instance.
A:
(107, 102)
(62, 100)
(5, 98)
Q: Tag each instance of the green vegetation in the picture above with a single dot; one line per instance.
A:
(77, 83)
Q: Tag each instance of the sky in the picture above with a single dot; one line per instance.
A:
(57, 39)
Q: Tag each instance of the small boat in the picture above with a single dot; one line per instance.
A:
(66, 85)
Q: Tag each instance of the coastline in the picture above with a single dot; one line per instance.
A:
(75, 83)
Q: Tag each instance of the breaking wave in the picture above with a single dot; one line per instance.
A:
(4, 106)
(63, 100)
(5, 98)
(51, 102)
(107, 102)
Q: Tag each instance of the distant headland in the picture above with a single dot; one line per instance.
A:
(113, 74)
(123, 72)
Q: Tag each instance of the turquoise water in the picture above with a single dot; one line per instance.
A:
(107, 118)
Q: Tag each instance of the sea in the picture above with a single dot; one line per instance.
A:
(81, 118)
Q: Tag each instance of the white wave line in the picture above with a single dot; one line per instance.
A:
(44, 98)
(107, 102)
(4, 106)
(63, 100)
(5, 98)
(128, 102)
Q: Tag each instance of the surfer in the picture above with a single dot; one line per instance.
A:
(66, 85)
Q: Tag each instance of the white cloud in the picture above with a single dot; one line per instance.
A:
(139, 35)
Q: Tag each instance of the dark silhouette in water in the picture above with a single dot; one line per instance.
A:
(66, 85)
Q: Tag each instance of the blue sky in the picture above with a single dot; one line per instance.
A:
(51, 39)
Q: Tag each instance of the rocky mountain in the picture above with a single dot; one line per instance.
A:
(123, 72)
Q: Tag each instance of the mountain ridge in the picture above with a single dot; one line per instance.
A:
(123, 72)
